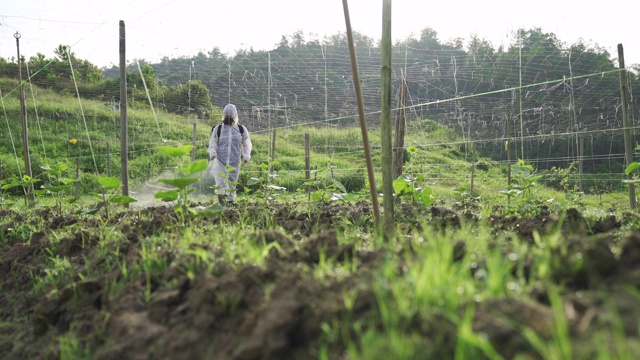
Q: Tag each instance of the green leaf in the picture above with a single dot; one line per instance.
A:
(109, 182)
(634, 165)
(90, 211)
(401, 186)
(253, 181)
(121, 199)
(14, 183)
(534, 178)
(318, 196)
(56, 188)
(176, 151)
(512, 192)
(180, 183)
(196, 167)
(426, 198)
(214, 209)
(339, 185)
(167, 195)
(263, 166)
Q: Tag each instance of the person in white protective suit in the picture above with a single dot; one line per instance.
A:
(229, 145)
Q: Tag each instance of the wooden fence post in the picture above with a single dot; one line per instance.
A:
(124, 123)
(108, 160)
(307, 162)
(628, 146)
(398, 147)
(580, 163)
(473, 167)
(194, 137)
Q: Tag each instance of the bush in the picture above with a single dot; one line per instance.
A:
(482, 165)
(352, 182)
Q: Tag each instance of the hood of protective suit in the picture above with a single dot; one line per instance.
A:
(231, 111)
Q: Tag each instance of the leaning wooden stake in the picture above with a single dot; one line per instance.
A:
(307, 163)
(386, 131)
(398, 146)
(25, 129)
(628, 146)
(363, 124)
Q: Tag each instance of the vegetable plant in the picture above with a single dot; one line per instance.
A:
(414, 188)
(181, 184)
(110, 186)
(57, 183)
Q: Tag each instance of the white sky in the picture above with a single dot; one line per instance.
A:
(172, 28)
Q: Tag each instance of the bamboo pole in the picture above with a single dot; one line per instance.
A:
(307, 162)
(398, 146)
(386, 130)
(580, 163)
(628, 146)
(194, 137)
(124, 134)
(363, 124)
(25, 128)
(273, 145)
(108, 160)
(473, 167)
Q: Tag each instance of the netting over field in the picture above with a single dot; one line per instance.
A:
(538, 100)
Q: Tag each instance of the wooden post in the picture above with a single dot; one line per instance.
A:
(580, 163)
(273, 150)
(307, 162)
(628, 146)
(124, 134)
(473, 167)
(108, 160)
(363, 124)
(194, 137)
(386, 130)
(77, 177)
(25, 128)
(398, 147)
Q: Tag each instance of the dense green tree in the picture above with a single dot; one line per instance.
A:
(188, 99)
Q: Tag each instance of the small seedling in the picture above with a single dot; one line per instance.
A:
(109, 186)
(27, 182)
(180, 194)
(406, 186)
(57, 185)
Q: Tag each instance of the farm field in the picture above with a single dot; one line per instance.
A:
(526, 268)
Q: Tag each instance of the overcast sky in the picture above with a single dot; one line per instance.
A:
(172, 28)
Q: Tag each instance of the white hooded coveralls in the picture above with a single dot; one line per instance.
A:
(229, 149)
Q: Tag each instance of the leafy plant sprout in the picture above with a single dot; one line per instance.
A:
(182, 184)
(110, 185)
(58, 184)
